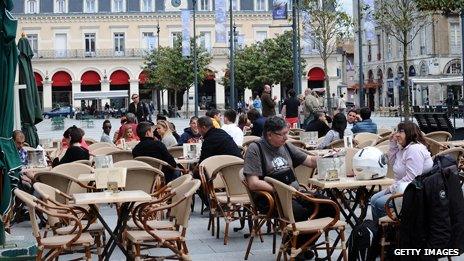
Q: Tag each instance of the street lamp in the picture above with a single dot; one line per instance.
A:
(231, 65)
(195, 69)
(360, 55)
(296, 85)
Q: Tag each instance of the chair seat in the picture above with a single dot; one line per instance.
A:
(243, 199)
(155, 224)
(97, 226)
(315, 224)
(139, 236)
(54, 241)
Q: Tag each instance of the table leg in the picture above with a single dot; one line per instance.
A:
(122, 220)
(332, 193)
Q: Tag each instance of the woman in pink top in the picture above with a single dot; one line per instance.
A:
(409, 158)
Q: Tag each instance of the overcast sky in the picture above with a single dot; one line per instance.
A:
(348, 6)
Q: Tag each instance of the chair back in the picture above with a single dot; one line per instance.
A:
(73, 169)
(247, 140)
(179, 181)
(366, 136)
(29, 200)
(61, 182)
(231, 174)
(184, 194)
(47, 193)
(383, 141)
(154, 162)
(456, 153)
(98, 145)
(340, 143)
(142, 178)
(104, 151)
(303, 174)
(90, 141)
(367, 143)
(130, 164)
(132, 144)
(285, 196)
(295, 131)
(121, 155)
(384, 132)
(85, 162)
(297, 143)
(439, 136)
(211, 167)
(435, 147)
(176, 151)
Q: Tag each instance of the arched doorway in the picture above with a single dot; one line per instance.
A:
(390, 88)
(207, 92)
(90, 81)
(39, 84)
(454, 68)
(61, 89)
(119, 81)
(316, 77)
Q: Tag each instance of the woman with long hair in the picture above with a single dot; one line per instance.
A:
(163, 129)
(409, 157)
(336, 132)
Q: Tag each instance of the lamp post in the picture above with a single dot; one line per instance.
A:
(295, 47)
(231, 65)
(360, 55)
(156, 92)
(195, 69)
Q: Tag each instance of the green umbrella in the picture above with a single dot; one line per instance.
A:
(9, 159)
(31, 112)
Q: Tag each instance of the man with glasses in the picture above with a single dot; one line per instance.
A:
(138, 108)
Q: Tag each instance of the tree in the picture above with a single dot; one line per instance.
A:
(168, 69)
(326, 25)
(403, 20)
(445, 6)
(267, 62)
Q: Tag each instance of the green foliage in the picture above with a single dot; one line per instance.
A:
(445, 6)
(167, 69)
(267, 62)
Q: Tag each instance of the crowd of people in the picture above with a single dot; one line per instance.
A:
(270, 156)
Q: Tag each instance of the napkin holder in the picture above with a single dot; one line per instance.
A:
(191, 150)
(331, 168)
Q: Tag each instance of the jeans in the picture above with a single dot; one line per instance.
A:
(378, 201)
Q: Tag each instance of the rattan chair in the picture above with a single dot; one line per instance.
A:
(247, 140)
(390, 221)
(384, 132)
(297, 143)
(176, 151)
(90, 141)
(456, 153)
(98, 145)
(55, 244)
(172, 238)
(142, 178)
(86, 162)
(121, 155)
(435, 147)
(440, 136)
(104, 151)
(366, 136)
(132, 144)
(367, 143)
(73, 169)
(383, 141)
(154, 162)
(313, 227)
(130, 164)
(337, 144)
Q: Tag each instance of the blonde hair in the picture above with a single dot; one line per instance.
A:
(165, 125)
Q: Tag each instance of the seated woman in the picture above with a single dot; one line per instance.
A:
(75, 151)
(336, 132)
(162, 127)
(128, 135)
(409, 157)
(320, 124)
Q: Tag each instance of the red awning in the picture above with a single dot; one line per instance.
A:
(61, 79)
(38, 79)
(143, 77)
(316, 74)
(90, 78)
(119, 77)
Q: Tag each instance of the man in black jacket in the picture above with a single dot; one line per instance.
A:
(150, 147)
(215, 141)
(138, 108)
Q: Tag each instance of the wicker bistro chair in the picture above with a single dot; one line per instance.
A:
(384, 132)
(73, 169)
(439, 136)
(367, 143)
(59, 243)
(261, 217)
(90, 141)
(142, 178)
(90, 224)
(104, 151)
(130, 164)
(434, 146)
(297, 143)
(247, 140)
(121, 155)
(456, 153)
(132, 144)
(154, 162)
(366, 136)
(176, 151)
(98, 145)
(291, 229)
(85, 162)
(173, 237)
(390, 221)
(223, 186)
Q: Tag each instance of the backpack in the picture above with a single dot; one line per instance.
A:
(432, 214)
(363, 243)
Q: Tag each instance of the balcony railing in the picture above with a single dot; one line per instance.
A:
(108, 53)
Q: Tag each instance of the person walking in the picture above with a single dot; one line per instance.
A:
(138, 108)
(341, 104)
(311, 105)
(290, 109)
(268, 103)
(257, 104)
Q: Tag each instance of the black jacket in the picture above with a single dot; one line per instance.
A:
(319, 126)
(142, 111)
(75, 153)
(187, 135)
(155, 149)
(218, 142)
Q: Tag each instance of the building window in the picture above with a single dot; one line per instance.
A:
(147, 5)
(205, 41)
(235, 5)
(33, 42)
(89, 39)
(389, 47)
(454, 67)
(148, 41)
(260, 5)
(240, 41)
(423, 42)
(119, 44)
(31, 7)
(204, 5)
(369, 52)
(260, 36)
(176, 38)
(61, 43)
(455, 38)
(118, 6)
(399, 49)
(61, 6)
(90, 6)
(379, 51)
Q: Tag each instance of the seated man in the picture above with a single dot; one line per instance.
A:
(19, 139)
(106, 132)
(366, 125)
(150, 147)
(191, 134)
(271, 156)
(258, 122)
